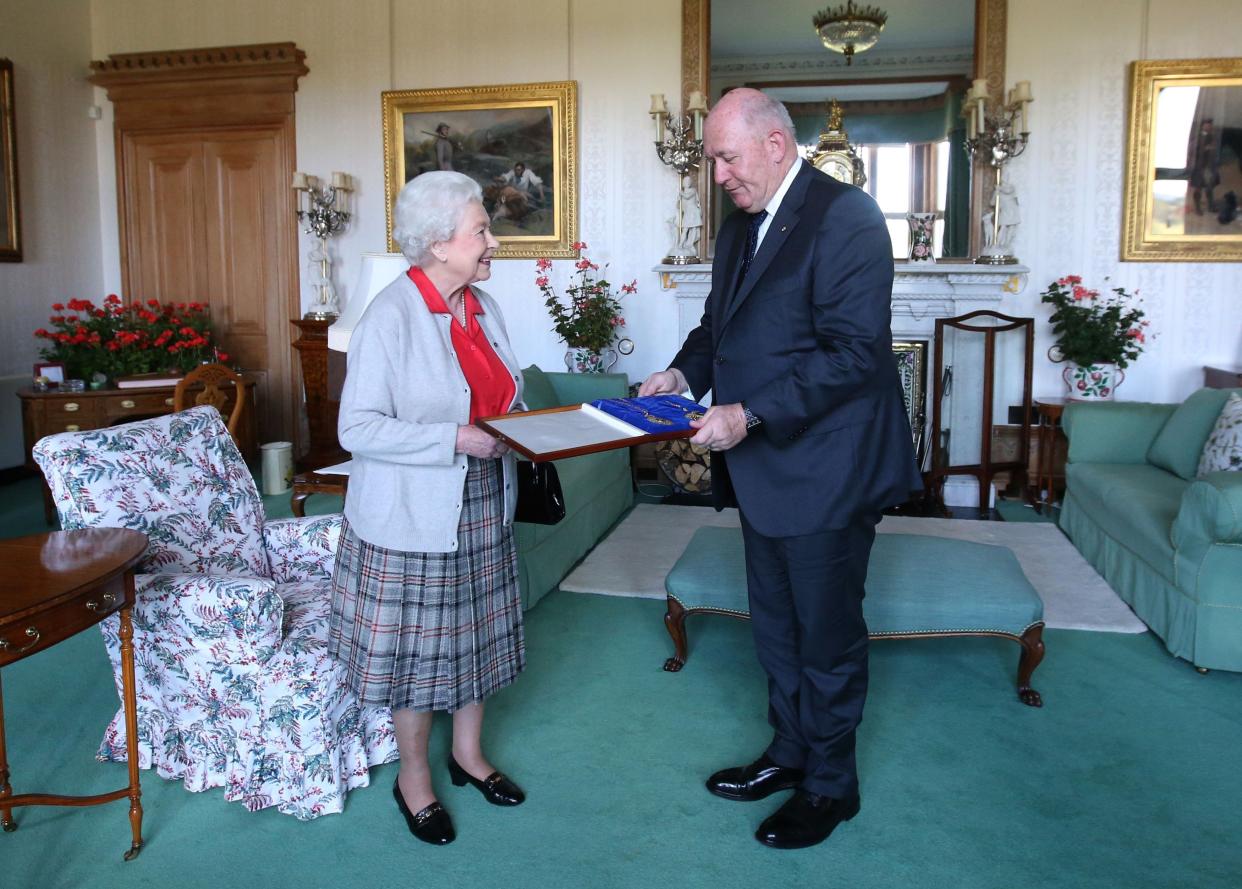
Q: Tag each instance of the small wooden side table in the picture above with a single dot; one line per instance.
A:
(1222, 377)
(307, 483)
(1049, 410)
(54, 586)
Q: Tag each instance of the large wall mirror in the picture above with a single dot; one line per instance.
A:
(900, 100)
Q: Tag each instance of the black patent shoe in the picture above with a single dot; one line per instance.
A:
(431, 824)
(806, 819)
(496, 788)
(761, 778)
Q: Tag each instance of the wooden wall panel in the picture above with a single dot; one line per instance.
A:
(245, 204)
(164, 233)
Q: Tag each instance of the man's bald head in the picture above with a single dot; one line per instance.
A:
(749, 139)
(759, 113)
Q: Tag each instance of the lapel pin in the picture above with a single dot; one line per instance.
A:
(784, 228)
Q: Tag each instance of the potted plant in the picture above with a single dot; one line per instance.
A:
(588, 321)
(1097, 335)
(118, 339)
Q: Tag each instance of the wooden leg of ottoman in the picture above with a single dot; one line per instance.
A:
(1032, 653)
(675, 623)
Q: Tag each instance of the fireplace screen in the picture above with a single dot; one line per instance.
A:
(911, 358)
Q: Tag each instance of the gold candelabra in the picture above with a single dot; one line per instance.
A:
(679, 144)
(325, 212)
(995, 136)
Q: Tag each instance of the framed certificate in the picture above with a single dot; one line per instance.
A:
(576, 429)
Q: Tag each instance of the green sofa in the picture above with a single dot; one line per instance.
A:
(598, 488)
(1169, 543)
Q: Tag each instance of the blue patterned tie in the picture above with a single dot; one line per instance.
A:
(752, 240)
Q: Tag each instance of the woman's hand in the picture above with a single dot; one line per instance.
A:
(474, 441)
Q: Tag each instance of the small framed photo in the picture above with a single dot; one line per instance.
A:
(52, 371)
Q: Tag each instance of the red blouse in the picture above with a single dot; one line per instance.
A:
(491, 383)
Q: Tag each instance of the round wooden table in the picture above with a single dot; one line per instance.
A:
(55, 585)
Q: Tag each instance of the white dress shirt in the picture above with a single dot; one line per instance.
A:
(775, 203)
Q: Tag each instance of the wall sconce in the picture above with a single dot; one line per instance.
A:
(325, 212)
(679, 144)
(997, 137)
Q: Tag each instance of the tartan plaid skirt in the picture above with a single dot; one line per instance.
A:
(432, 631)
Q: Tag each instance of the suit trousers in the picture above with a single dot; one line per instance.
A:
(806, 596)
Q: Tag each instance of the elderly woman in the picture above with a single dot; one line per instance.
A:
(426, 613)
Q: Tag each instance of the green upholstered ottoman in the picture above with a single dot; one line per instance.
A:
(976, 590)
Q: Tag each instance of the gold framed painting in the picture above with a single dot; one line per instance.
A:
(10, 216)
(519, 142)
(1184, 162)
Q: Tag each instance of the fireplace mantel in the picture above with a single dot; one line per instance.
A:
(922, 292)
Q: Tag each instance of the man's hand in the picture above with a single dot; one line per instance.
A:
(664, 382)
(721, 428)
(474, 441)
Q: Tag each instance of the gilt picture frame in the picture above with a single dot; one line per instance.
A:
(518, 141)
(10, 206)
(1184, 162)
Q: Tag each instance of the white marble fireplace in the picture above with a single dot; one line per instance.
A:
(922, 292)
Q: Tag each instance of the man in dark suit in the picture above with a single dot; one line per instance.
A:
(810, 440)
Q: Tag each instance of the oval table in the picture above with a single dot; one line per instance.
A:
(55, 585)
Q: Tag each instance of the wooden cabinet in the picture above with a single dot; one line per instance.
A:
(205, 145)
(323, 372)
(46, 413)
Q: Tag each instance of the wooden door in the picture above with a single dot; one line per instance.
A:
(247, 205)
(205, 151)
(164, 231)
(206, 212)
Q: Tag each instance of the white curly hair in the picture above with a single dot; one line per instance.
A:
(428, 209)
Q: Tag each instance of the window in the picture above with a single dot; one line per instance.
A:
(908, 178)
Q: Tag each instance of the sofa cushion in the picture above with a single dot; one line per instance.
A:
(1223, 450)
(537, 389)
(1135, 505)
(1180, 442)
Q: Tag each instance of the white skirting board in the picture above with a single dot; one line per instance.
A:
(11, 451)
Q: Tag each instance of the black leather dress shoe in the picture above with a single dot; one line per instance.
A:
(805, 820)
(496, 788)
(759, 779)
(431, 824)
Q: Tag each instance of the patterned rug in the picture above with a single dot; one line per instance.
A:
(1075, 596)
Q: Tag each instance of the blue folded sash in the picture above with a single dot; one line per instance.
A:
(653, 413)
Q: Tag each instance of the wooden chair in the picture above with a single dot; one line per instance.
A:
(211, 377)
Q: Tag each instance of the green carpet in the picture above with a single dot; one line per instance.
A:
(1127, 777)
(1021, 511)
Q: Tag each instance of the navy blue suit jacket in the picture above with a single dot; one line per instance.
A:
(805, 343)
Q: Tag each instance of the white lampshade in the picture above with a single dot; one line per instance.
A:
(378, 271)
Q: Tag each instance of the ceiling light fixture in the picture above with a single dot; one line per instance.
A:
(849, 29)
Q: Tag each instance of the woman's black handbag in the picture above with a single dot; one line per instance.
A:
(539, 497)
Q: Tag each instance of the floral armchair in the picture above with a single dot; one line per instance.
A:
(235, 685)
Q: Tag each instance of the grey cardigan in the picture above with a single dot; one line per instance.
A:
(404, 397)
